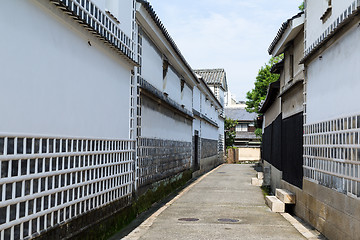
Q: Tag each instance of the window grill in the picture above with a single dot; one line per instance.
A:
(332, 154)
(45, 181)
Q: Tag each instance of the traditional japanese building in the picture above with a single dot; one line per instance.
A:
(283, 107)
(331, 118)
(99, 106)
(320, 94)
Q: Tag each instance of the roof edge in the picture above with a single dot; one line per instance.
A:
(281, 32)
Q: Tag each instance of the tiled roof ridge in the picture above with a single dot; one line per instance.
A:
(282, 31)
(209, 69)
(213, 76)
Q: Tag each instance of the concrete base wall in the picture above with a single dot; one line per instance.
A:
(206, 164)
(335, 215)
(275, 176)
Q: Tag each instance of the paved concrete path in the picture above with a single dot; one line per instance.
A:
(225, 193)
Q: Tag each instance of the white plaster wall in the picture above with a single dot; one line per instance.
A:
(123, 11)
(152, 64)
(158, 125)
(222, 97)
(208, 110)
(173, 85)
(221, 126)
(314, 10)
(292, 101)
(53, 82)
(196, 125)
(333, 81)
(212, 88)
(187, 98)
(196, 99)
(273, 112)
(298, 55)
(209, 131)
(101, 4)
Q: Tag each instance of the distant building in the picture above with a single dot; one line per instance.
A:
(217, 82)
(230, 100)
(245, 129)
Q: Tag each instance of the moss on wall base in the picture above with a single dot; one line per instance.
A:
(104, 225)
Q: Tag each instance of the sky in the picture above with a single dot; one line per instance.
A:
(229, 34)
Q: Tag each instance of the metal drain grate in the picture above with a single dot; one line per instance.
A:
(228, 220)
(222, 172)
(189, 219)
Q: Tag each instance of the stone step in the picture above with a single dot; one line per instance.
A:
(275, 204)
(285, 196)
(260, 175)
(256, 182)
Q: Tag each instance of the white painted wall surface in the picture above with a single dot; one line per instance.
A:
(208, 110)
(196, 99)
(196, 125)
(152, 64)
(333, 81)
(53, 82)
(100, 4)
(122, 10)
(157, 125)
(273, 112)
(173, 85)
(314, 10)
(222, 97)
(187, 98)
(221, 126)
(209, 131)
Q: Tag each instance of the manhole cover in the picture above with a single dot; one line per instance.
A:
(189, 219)
(228, 220)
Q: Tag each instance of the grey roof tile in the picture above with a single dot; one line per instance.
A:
(213, 76)
(239, 114)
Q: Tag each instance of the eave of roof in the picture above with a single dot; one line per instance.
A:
(277, 67)
(281, 32)
(271, 96)
(167, 36)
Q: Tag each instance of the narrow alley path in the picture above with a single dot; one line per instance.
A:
(226, 205)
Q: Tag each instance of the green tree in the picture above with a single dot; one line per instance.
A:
(263, 79)
(230, 132)
(302, 7)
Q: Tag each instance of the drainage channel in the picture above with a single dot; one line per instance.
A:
(223, 220)
(228, 220)
(189, 219)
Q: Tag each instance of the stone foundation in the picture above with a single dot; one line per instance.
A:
(209, 148)
(159, 159)
(335, 215)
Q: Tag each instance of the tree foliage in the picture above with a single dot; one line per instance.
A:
(230, 132)
(263, 79)
(302, 7)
